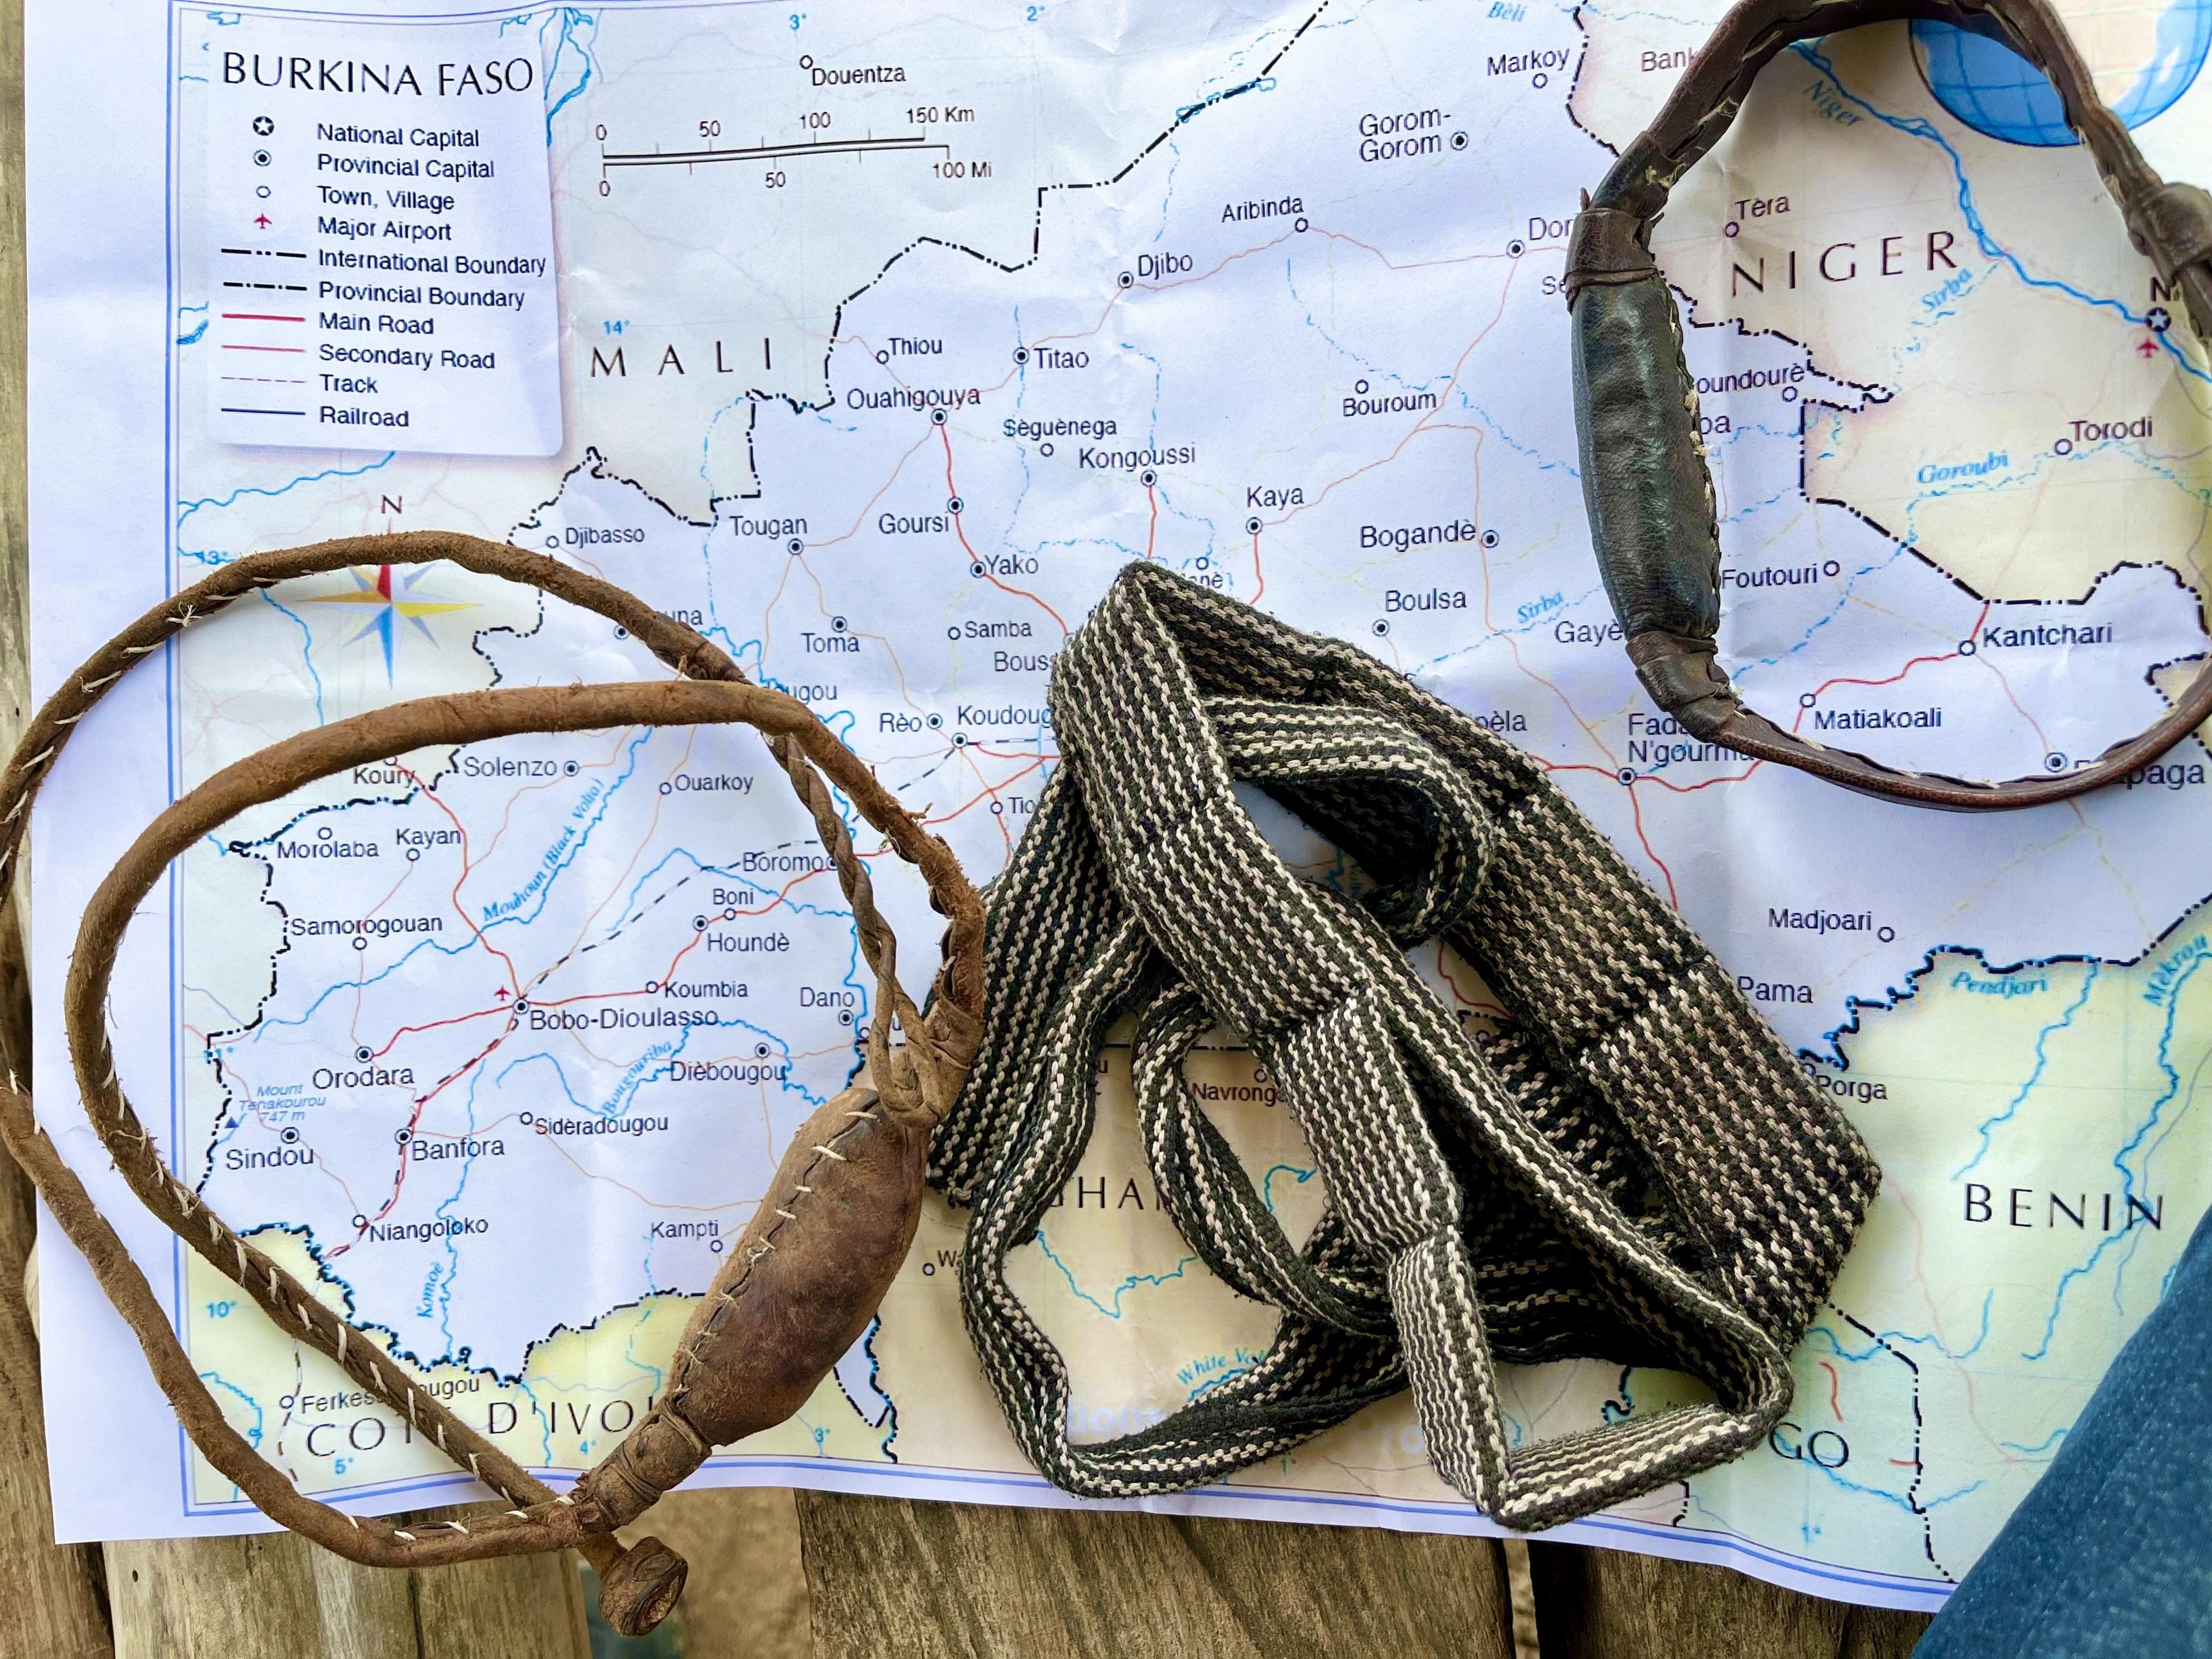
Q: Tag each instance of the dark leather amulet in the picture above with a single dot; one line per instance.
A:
(1644, 476)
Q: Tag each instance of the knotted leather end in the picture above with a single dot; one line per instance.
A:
(925, 1077)
(1684, 679)
(2172, 226)
(640, 1589)
(660, 1454)
(1606, 248)
(1645, 476)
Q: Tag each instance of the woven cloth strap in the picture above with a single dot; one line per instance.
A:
(1637, 1171)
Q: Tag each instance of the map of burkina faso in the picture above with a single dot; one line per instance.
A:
(498, 1046)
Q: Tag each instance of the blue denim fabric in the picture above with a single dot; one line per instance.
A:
(2111, 1552)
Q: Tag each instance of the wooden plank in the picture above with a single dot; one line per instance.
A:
(746, 1597)
(49, 1598)
(1608, 1604)
(255, 1597)
(529, 1608)
(925, 1580)
(14, 389)
(1527, 1643)
(278, 1597)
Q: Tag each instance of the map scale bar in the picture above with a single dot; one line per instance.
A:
(767, 152)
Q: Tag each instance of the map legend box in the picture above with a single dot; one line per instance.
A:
(379, 229)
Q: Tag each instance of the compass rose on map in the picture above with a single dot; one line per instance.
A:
(388, 592)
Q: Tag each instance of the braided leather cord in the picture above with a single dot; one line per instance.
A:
(638, 1583)
(1638, 1170)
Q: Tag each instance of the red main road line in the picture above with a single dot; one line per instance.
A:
(977, 559)
(1635, 809)
(782, 894)
(415, 1117)
(1892, 679)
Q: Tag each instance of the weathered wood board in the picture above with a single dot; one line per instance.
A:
(280, 1597)
(940, 1580)
(1603, 1603)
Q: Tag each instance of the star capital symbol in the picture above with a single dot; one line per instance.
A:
(387, 590)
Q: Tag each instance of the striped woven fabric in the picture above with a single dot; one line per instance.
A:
(1637, 1170)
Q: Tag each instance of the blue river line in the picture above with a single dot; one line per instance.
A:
(1120, 1291)
(2127, 1235)
(216, 1379)
(2035, 1076)
(186, 510)
(306, 648)
(550, 874)
(1906, 1501)
(1917, 128)
(573, 22)
(442, 1285)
